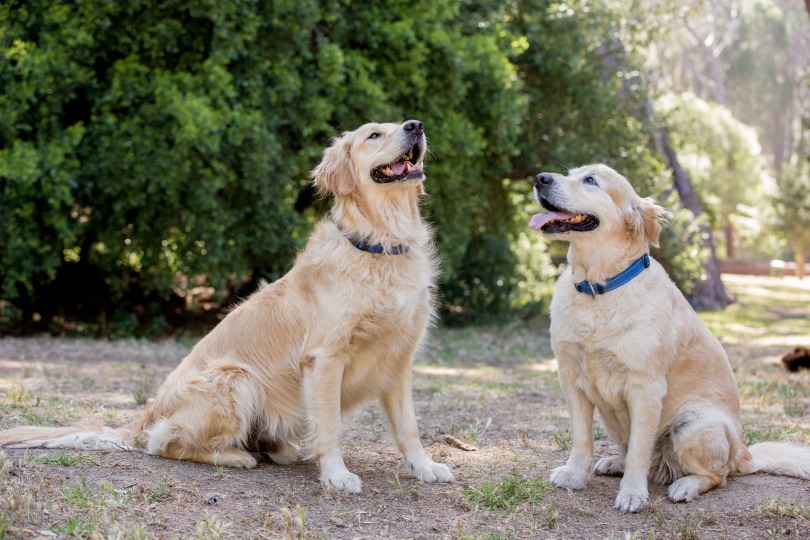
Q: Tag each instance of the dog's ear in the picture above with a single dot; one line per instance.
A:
(334, 173)
(644, 219)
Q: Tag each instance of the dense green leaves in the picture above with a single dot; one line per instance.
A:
(147, 148)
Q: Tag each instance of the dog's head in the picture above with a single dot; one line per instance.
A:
(595, 202)
(382, 154)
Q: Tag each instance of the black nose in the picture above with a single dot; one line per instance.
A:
(414, 125)
(543, 179)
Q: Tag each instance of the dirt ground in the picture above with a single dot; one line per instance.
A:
(493, 388)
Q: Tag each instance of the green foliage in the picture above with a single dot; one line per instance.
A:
(792, 208)
(143, 148)
(146, 150)
(717, 150)
(763, 72)
(680, 251)
(485, 282)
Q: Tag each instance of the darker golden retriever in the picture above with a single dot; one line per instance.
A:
(340, 328)
(628, 343)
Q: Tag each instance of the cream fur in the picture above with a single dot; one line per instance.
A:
(639, 354)
(342, 327)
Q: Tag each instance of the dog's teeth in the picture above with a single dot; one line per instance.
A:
(387, 171)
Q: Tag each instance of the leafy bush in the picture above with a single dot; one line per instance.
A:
(151, 149)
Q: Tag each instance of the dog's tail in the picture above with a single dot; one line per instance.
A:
(781, 458)
(87, 436)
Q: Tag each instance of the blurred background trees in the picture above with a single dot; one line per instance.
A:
(154, 156)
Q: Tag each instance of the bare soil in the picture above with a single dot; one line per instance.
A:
(494, 388)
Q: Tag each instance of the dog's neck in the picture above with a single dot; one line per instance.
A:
(596, 262)
(388, 221)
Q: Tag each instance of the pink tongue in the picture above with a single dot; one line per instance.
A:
(538, 220)
(397, 168)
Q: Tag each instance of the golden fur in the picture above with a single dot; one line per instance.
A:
(340, 328)
(639, 354)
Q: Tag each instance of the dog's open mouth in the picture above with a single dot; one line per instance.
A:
(403, 168)
(558, 221)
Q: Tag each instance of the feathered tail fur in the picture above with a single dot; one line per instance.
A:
(87, 436)
(780, 458)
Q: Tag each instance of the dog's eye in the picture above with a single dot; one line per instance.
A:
(590, 180)
(374, 135)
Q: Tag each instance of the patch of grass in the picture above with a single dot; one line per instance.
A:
(504, 346)
(79, 495)
(753, 434)
(143, 392)
(65, 459)
(74, 526)
(777, 507)
(792, 394)
(295, 522)
(119, 498)
(507, 494)
(474, 430)
(20, 503)
(689, 527)
(211, 528)
(550, 515)
(35, 410)
(161, 492)
(18, 394)
(563, 440)
(763, 308)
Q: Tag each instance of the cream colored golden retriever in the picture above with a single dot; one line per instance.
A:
(629, 344)
(340, 328)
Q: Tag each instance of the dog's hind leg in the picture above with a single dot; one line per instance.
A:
(703, 447)
(208, 419)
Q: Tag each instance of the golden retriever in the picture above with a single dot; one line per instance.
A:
(628, 343)
(340, 328)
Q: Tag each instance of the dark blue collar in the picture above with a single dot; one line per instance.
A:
(378, 249)
(616, 281)
(374, 249)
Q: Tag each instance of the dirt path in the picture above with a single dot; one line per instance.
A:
(493, 388)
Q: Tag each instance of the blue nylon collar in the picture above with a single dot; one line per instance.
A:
(374, 249)
(378, 249)
(616, 281)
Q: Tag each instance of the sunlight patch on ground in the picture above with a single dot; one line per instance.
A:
(440, 370)
(546, 366)
(748, 281)
(746, 336)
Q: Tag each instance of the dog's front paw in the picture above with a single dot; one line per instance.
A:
(430, 471)
(684, 489)
(632, 501)
(344, 481)
(610, 466)
(570, 477)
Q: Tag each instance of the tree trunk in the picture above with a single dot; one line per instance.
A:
(731, 250)
(709, 293)
(801, 258)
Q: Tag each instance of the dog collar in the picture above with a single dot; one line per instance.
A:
(374, 249)
(616, 281)
(378, 249)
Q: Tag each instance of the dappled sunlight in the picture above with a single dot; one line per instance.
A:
(743, 283)
(546, 366)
